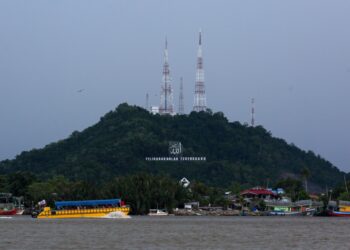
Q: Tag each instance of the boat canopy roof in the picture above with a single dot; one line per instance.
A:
(60, 204)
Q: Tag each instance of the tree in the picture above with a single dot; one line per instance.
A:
(305, 173)
(18, 182)
(293, 187)
(3, 183)
(143, 192)
(345, 196)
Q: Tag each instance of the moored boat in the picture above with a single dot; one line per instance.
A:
(338, 213)
(341, 210)
(285, 213)
(10, 205)
(157, 212)
(6, 211)
(84, 209)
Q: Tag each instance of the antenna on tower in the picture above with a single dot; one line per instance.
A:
(253, 113)
(181, 98)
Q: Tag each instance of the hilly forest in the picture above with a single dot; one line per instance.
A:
(107, 160)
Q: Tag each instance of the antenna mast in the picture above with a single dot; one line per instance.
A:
(200, 101)
(147, 102)
(253, 113)
(181, 98)
(166, 94)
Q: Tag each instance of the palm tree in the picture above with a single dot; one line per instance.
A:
(305, 173)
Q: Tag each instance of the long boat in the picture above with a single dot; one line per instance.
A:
(6, 211)
(338, 213)
(84, 209)
(285, 213)
(341, 210)
(10, 205)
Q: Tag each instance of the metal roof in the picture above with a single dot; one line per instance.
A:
(258, 191)
(60, 204)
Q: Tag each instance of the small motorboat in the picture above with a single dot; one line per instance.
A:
(157, 212)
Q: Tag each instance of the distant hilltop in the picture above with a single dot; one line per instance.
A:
(122, 140)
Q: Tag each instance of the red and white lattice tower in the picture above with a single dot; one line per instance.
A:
(181, 98)
(166, 94)
(200, 101)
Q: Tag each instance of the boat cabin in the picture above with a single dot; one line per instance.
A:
(344, 206)
(60, 205)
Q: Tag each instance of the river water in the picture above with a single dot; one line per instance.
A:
(142, 232)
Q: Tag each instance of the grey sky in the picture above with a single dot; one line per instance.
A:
(292, 56)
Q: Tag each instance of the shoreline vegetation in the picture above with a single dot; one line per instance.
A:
(143, 192)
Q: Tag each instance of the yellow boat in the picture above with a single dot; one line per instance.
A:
(111, 208)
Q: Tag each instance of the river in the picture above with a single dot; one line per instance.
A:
(142, 232)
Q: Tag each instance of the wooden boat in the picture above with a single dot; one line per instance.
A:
(338, 213)
(5, 211)
(285, 213)
(10, 205)
(341, 210)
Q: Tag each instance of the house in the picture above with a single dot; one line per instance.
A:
(184, 182)
(191, 205)
(258, 193)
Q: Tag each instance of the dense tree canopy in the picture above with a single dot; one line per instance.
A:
(118, 144)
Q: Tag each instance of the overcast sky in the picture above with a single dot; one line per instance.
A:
(292, 56)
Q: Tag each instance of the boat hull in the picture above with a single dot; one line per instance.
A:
(165, 214)
(8, 212)
(338, 214)
(157, 212)
(281, 213)
(83, 213)
(19, 211)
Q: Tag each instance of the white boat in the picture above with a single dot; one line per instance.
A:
(285, 213)
(157, 212)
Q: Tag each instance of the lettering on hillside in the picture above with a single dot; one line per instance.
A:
(175, 154)
(175, 148)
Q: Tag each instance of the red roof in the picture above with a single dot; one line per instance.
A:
(258, 191)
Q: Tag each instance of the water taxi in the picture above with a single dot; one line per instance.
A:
(84, 209)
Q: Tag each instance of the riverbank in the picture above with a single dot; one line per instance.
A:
(213, 212)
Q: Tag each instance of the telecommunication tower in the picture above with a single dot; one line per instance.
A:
(147, 102)
(200, 101)
(253, 113)
(181, 98)
(166, 93)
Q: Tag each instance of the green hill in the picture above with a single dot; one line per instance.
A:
(118, 144)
